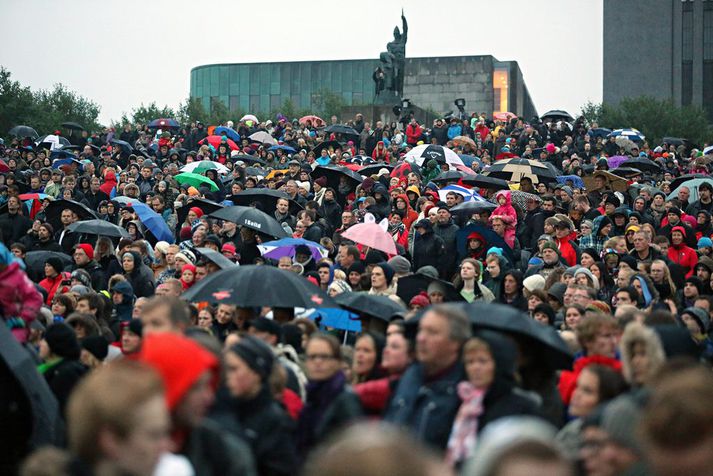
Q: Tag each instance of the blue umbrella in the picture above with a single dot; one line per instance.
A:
(631, 134)
(227, 131)
(469, 159)
(153, 222)
(125, 146)
(286, 247)
(491, 239)
(575, 179)
(68, 161)
(286, 148)
(336, 319)
(599, 132)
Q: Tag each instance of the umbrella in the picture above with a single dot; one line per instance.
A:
(336, 319)
(409, 286)
(257, 286)
(692, 186)
(491, 239)
(286, 247)
(626, 172)
(466, 193)
(23, 131)
(285, 148)
(334, 175)
(643, 164)
(470, 160)
(448, 176)
(316, 121)
(52, 142)
(404, 168)
(35, 263)
(575, 179)
(58, 163)
(196, 180)
(228, 132)
(614, 182)
(473, 206)
(216, 258)
(125, 146)
(164, 123)
(513, 170)
(215, 141)
(266, 197)
(153, 222)
(63, 153)
(372, 234)
(249, 117)
(483, 181)
(72, 126)
(631, 134)
(599, 132)
(341, 129)
(520, 199)
(371, 305)
(464, 140)
(3, 167)
(252, 218)
(616, 160)
(442, 155)
(248, 159)
(708, 150)
(263, 137)
(99, 228)
(673, 141)
(201, 166)
(557, 115)
(206, 206)
(504, 116)
(675, 183)
(33, 196)
(369, 170)
(54, 211)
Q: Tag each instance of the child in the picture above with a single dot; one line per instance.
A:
(507, 214)
(188, 276)
(19, 299)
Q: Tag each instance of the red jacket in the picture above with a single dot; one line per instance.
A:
(413, 133)
(109, 183)
(684, 256)
(567, 251)
(54, 286)
(374, 394)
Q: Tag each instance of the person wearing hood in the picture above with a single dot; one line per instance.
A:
(190, 374)
(403, 205)
(141, 282)
(681, 254)
(428, 248)
(329, 208)
(674, 218)
(704, 228)
(56, 281)
(620, 220)
(506, 212)
(564, 236)
(642, 354)
(488, 394)
(497, 266)
(110, 182)
(44, 241)
(447, 230)
(382, 207)
(601, 228)
(20, 301)
(122, 297)
(697, 321)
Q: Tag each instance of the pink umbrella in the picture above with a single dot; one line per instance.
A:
(372, 234)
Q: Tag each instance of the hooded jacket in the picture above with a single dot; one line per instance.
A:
(141, 281)
(682, 254)
(595, 240)
(109, 183)
(18, 299)
(410, 215)
(428, 249)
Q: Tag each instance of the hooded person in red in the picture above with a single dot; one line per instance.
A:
(109, 182)
(410, 215)
(190, 375)
(564, 235)
(680, 253)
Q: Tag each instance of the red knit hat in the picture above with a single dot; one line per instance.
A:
(87, 248)
(420, 299)
(229, 248)
(197, 211)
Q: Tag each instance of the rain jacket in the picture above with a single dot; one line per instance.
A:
(413, 133)
(109, 183)
(683, 255)
(508, 215)
(410, 215)
(428, 249)
(18, 299)
(54, 286)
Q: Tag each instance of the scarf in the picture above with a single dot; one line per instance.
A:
(461, 443)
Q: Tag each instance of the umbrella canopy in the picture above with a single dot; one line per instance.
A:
(473, 206)
(464, 140)
(315, 120)
(263, 138)
(513, 170)
(287, 246)
(643, 164)
(325, 145)
(249, 159)
(576, 180)
(557, 115)
(448, 176)
(34, 196)
(599, 132)
(153, 222)
(282, 147)
(491, 239)
(125, 146)
(483, 181)
(249, 117)
(257, 286)
(252, 218)
(195, 180)
(504, 116)
(362, 303)
(626, 172)
(228, 132)
(336, 318)
(404, 168)
(202, 166)
(471, 161)
(206, 206)
(335, 174)
(372, 234)
(675, 183)
(35, 263)
(266, 197)
(466, 193)
(409, 286)
(673, 141)
(442, 155)
(164, 123)
(52, 142)
(341, 129)
(631, 134)
(54, 211)
(692, 186)
(23, 131)
(611, 180)
(99, 228)
(520, 199)
(708, 150)
(372, 169)
(72, 126)
(215, 141)
(216, 258)
(616, 160)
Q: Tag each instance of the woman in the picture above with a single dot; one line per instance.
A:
(642, 354)
(475, 246)
(104, 254)
(381, 280)
(266, 426)
(511, 290)
(368, 350)
(62, 306)
(467, 282)
(330, 401)
(488, 394)
(588, 257)
(572, 315)
(205, 317)
(137, 274)
(606, 283)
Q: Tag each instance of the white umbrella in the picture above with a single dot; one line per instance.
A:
(263, 137)
(249, 117)
(202, 165)
(442, 155)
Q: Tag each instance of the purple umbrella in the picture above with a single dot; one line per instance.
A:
(287, 246)
(616, 160)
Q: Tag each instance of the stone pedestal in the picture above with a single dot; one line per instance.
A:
(385, 114)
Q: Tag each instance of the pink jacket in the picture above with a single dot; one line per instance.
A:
(19, 298)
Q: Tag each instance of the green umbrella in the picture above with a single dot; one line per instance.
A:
(196, 180)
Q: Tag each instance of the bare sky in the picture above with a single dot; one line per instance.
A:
(120, 53)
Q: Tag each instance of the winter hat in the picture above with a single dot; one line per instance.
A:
(696, 281)
(630, 260)
(80, 290)
(705, 262)
(547, 310)
(587, 273)
(187, 256)
(420, 299)
(197, 211)
(213, 239)
(550, 245)
(340, 286)
(321, 181)
(568, 190)
(256, 354)
(185, 233)
(675, 210)
(705, 242)
(229, 248)
(263, 324)
(188, 267)
(535, 261)
(429, 271)
(700, 316)
(48, 227)
(571, 270)
(98, 346)
(634, 228)
(135, 326)
(436, 287)
(367, 184)
(161, 247)
(56, 263)
(550, 148)
(620, 420)
(388, 271)
(82, 276)
(356, 267)
(544, 237)
(679, 229)
(87, 248)
(401, 265)
(62, 341)
(613, 200)
(536, 281)
(556, 291)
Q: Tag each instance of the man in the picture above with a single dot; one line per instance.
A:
(684, 193)
(67, 239)
(674, 219)
(14, 224)
(158, 204)
(54, 186)
(146, 181)
(45, 241)
(426, 400)
(347, 221)
(428, 248)
(440, 131)
(95, 195)
(313, 232)
(550, 258)
(165, 314)
(170, 271)
(229, 234)
(282, 213)
(446, 230)
(348, 255)
(704, 202)
(584, 207)
(171, 287)
(291, 190)
(643, 252)
(534, 223)
(84, 259)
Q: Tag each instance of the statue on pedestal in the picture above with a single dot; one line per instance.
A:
(389, 76)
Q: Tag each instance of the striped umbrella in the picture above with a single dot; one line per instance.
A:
(631, 134)
(513, 170)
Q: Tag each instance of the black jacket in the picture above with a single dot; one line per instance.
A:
(63, 377)
(13, 227)
(428, 249)
(214, 452)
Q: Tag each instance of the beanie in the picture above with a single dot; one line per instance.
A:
(87, 248)
(56, 263)
(420, 299)
(136, 326)
(700, 316)
(536, 281)
(62, 341)
(98, 346)
(256, 354)
(82, 276)
(705, 242)
(535, 261)
(263, 324)
(228, 248)
(620, 420)
(550, 245)
(197, 211)
(547, 310)
(428, 270)
(388, 271)
(321, 181)
(400, 265)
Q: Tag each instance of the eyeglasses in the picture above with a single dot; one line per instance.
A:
(319, 357)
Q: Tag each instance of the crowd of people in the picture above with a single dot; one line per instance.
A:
(602, 245)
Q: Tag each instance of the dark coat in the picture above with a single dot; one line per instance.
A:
(96, 272)
(62, 378)
(13, 227)
(448, 232)
(214, 452)
(428, 249)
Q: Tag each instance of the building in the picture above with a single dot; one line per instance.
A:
(660, 48)
(487, 85)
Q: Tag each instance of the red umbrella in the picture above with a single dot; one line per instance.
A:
(316, 121)
(3, 167)
(216, 140)
(371, 234)
(403, 169)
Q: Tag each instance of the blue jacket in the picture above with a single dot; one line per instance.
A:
(454, 131)
(427, 409)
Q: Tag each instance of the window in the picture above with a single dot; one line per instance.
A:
(687, 54)
(708, 31)
(501, 84)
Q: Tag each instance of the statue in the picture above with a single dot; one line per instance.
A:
(392, 63)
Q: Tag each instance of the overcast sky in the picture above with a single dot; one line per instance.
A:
(122, 53)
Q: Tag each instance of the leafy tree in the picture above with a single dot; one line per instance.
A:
(219, 112)
(147, 113)
(192, 110)
(328, 103)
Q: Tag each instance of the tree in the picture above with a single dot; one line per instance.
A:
(191, 111)
(147, 113)
(655, 118)
(328, 103)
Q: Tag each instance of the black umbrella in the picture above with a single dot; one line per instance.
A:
(72, 126)
(372, 169)
(473, 206)
(125, 146)
(73, 147)
(409, 286)
(380, 307)
(206, 207)
(557, 115)
(324, 145)
(266, 197)
(483, 181)
(256, 286)
(341, 129)
(643, 164)
(249, 159)
(23, 131)
(54, 211)
(448, 176)
(215, 257)
(626, 172)
(674, 141)
(678, 181)
(252, 218)
(35, 263)
(99, 228)
(333, 174)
